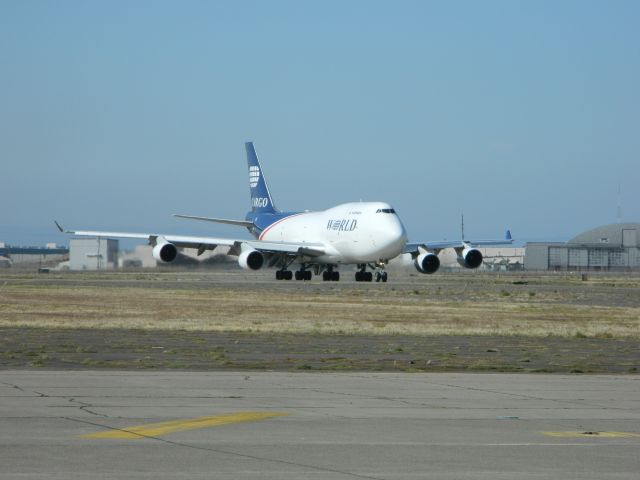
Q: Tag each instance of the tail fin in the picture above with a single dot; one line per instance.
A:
(260, 197)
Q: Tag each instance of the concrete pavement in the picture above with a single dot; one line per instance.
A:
(310, 425)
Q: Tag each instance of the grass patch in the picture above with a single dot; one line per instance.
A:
(466, 304)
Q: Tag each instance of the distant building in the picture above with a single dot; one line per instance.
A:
(497, 259)
(610, 247)
(30, 256)
(501, 259)
(93, 253)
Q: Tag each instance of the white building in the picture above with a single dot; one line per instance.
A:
(93, 253)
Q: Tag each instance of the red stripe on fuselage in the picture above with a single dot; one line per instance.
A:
(278, 222)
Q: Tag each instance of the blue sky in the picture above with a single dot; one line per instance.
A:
(114, 115)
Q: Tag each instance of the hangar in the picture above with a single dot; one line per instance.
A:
(609, 247)
(93, 253)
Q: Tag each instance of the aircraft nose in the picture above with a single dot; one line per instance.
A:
(396, 235)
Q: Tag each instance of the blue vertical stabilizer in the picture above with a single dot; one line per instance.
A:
(260, 197)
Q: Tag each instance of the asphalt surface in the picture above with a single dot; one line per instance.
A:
(237, 425)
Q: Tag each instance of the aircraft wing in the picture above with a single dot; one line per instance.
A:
(238, 223)
(209, 243)
(456, 244)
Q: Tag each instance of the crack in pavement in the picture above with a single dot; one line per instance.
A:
(528, 397)
(85, 407)
(17, 387)
(401, 400)
(230, 452)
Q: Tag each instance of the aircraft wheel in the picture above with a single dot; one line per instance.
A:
(378, 276)
(358, 276)
(299, 274)
(384, 277)
(335, 276)
(368, 276)
(287, 275)
(326, 276)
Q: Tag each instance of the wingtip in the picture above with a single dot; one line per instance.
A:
(59, 227)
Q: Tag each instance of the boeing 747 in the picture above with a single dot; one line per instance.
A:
(365, 234)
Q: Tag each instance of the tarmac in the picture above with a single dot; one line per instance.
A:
(278, 425)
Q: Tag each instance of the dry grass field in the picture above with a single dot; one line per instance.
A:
(538, 307)
(475, 304)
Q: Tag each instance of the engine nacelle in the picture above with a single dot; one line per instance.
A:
(251, 258)
(427, 263)
(470, 258)
(165, 251)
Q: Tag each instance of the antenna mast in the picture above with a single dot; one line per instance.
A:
(619, 212)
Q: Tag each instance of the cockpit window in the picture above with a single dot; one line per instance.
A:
(385, 210)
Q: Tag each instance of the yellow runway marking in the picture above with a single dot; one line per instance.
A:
(162, 428)
(592, 434)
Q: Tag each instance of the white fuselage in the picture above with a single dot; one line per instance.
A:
(360, 232)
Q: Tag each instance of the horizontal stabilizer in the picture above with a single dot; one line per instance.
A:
(508, 240)
(239, 223)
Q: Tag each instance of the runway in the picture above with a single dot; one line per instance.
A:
(246, 425)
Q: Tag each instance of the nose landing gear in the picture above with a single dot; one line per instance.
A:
(381, 277)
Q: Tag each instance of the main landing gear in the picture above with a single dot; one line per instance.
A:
(380, 275)
(285, 275)
(303, 274)
(364, 276)
(330, 275)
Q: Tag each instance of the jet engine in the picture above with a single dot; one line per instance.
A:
(164, 251)
(251, 258)
(470, 258)
(427, 263)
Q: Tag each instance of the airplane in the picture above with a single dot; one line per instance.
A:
(365, 234)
